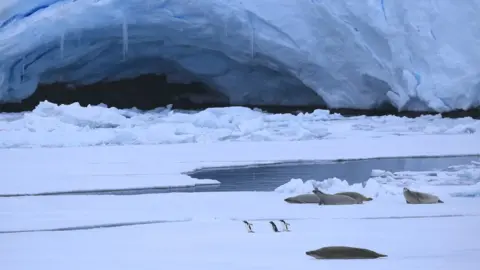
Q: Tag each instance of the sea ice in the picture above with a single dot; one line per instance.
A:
(51, 125)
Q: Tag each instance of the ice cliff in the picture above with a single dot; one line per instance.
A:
(415, 55)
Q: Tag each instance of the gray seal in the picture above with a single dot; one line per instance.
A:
(303, 198)
(343, 252)
(415, 197)
(329, 199)
(357, 196)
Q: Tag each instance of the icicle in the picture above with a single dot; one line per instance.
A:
(79, 39)
(252, 39)
(125, 38)
(252, 43)
(225, 28)
(62, 44)
(22, 73)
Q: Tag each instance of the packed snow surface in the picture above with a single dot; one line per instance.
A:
(204, 230)
(431, 237)
(125, 232)
(51, 125)
(414, 55)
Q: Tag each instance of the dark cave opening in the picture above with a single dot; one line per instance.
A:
(147, 92)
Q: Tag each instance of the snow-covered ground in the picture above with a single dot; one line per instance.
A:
(204, 230)
(411, 243)
(212, 235)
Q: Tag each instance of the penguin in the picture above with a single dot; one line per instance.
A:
(274, 226)
(285, 224)
(249, 226)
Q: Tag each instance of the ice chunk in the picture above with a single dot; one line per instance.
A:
(455, 181)
(98, 125)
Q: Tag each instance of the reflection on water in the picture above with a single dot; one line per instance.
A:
(269, 177)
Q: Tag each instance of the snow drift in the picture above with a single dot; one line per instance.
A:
(415, 55)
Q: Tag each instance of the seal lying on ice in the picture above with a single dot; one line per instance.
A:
(415, 197)
(303, 198)
(329, 199)
(343, 252)
(357, 196)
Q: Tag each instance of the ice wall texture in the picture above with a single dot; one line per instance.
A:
(358, 54)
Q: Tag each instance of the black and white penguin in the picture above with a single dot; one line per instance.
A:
(249, 226)
(285, 225)
(274, 226)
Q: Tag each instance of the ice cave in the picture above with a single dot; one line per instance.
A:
(410, 55)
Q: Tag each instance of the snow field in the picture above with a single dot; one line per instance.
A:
(213, 241)
(205, 230)
(49, 212)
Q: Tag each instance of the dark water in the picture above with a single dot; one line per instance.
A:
(269, 177)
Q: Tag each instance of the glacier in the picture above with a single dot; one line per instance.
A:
(414, 55)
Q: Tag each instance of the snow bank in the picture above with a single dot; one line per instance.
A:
(50, 125)
(357, 54)
(371, 188)
(455, 181)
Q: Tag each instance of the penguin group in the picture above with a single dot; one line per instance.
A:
(274, 227)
